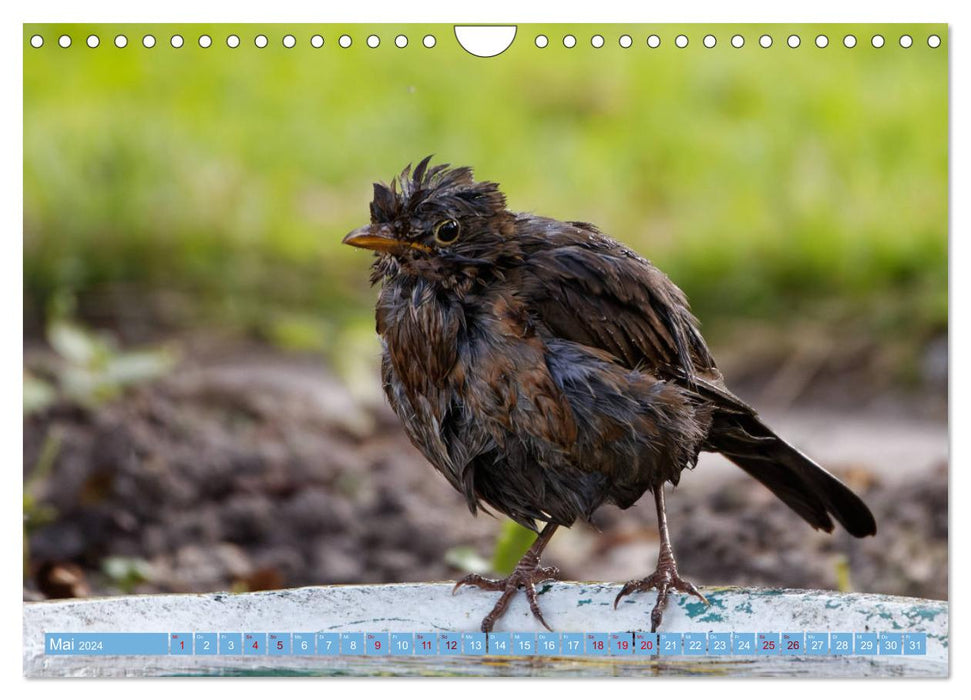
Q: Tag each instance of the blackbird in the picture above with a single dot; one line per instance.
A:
(545, 369)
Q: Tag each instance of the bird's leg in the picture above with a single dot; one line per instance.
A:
(665, 577)
(527, 574)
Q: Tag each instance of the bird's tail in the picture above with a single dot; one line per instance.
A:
(803, 485)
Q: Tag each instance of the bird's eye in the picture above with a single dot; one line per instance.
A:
(447, 232)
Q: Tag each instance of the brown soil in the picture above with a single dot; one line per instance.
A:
(262, 471)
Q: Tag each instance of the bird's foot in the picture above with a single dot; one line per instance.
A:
(526, 575)
(664, 579)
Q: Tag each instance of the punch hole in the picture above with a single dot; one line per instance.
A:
(205, 41)
(401, 41)
(93, 41)
(569, 41)
(261, 41)
(765, 41)
(933, 41)
(64, 41)
(541, 41)
(597, 41)
(877, 41)
(681, 41)
(37, 41)
(148, 41)
(121, 41)
(654, 41)
(316, 41)
(484, 41)
(289, 41)
(738, 41)
(849, 41)
(232, 41)
(906, 41)
(373, 41)
(709, 41)
(793, 41)
(428, 41)
(625, 41)
(822, 41)
(176, 41)
(344, 41)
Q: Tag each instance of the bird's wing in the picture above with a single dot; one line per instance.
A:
(588, 288)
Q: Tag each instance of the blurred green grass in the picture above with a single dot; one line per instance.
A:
(769, 183)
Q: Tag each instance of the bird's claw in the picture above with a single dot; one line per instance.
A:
(664, 579)
(524, 577)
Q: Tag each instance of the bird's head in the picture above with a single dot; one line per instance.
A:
(436, 222)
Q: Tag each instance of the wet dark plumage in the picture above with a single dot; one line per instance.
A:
(545, 369)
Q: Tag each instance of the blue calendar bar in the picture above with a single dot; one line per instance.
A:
(106, 644)
(793, 643)
(767, 643)
(206, 643)
(817, 643)
(743, 644)
(303, 643)
(915, 643)
(328, 644)
(621, 644)
(841, 643)
(450, 643)
(669, 643)
(378, 643)
(645, 643)
(402, 643)
(352, 643)
(474, 643)
(254, 643)
(598, 644)
(695, 644)
(180, 643)
(572, 644)
(866, 644)
(278, 644)
(523, 644)
(426, 644)
(548, 644)
(230, 643)
(719, 643)
(632, 644)
(891, 643)
(500, 643)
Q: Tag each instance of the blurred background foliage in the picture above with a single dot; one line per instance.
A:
(798, 196)
(171, 188)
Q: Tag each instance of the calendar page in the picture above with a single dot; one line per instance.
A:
(450, 349)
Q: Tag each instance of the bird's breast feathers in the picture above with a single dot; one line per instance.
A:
(483, 354)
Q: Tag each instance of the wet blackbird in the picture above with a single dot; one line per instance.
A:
(545, 370)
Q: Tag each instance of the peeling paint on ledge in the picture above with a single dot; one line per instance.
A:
(568, 607)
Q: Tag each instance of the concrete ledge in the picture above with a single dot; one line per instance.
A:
(430, 607)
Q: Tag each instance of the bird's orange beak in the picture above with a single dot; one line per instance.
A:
(373, 237)
(380, 237)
